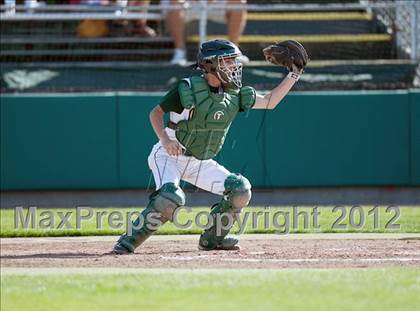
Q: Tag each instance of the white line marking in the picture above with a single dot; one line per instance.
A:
(322, 260)
(185, 258)
(292, 260)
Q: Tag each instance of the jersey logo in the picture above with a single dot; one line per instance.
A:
(218, 115)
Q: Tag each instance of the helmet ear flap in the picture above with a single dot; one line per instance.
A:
(208, 66)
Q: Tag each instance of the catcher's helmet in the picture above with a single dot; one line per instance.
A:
(212, 57)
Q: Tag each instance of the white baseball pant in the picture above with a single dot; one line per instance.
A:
(205, 174)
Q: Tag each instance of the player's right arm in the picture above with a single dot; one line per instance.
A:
(156, 119)
(170, 102)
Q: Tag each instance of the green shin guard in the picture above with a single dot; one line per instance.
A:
(160, 209)
(223, 215)
(236, 196)
(139, 235)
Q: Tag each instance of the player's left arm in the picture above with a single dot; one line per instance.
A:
(290, 54)
(273, 98)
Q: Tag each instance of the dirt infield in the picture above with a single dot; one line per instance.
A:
(258, 251)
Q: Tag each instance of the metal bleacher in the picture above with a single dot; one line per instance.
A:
(50, 34)
(347, 31)
(333, 34)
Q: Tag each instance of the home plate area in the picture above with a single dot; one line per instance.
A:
(258, 251)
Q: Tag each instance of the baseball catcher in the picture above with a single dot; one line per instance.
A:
(201, 110)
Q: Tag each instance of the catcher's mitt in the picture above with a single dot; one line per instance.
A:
(290, 54)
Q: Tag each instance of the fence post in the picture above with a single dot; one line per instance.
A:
(203, 21)
(413, 26)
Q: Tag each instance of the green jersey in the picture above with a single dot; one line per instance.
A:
(206, 116)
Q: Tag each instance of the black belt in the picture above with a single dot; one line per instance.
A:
(174, 126)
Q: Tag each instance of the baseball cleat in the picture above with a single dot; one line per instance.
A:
(120, 250)
(227, 244)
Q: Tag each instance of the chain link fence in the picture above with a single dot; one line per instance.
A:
(401, 19)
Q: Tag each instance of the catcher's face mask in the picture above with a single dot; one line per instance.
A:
(229, 69)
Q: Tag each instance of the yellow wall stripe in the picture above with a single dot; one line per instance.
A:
(324, 16)
(303, 38)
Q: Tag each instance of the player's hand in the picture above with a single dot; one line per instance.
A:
(295, 69)
(290, 54)
(172, 147)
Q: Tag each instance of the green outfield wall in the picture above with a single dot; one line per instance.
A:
(414, 107)
(101, 141)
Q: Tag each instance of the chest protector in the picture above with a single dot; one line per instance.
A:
(211, 115)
